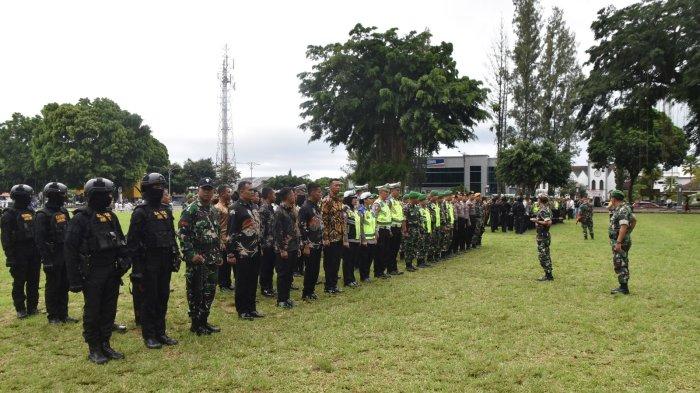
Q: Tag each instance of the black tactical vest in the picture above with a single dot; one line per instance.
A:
(25, 225)
(103, 234)
(58, 223)
(159, 232)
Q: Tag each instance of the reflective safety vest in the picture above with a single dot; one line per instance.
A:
(451, 212)
(356, 216)
(536, 207)
(396, 213)
(426, 219)
(436, 209)
(383, 214)
(369, 226)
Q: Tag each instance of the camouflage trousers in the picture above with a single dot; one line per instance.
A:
(200, 281)
(587, 227)
(412, 246)
(434, 244)
(621, 262)
(446, 237)
(478, 231)
(543, 254)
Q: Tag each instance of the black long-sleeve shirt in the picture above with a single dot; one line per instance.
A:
(9, 228)
(286, 230)
(50, 248)
(310, 224)
(244, 229)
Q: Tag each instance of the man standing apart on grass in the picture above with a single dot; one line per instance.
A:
(543, 221)
(311, 227)
(333, 232)
(244, 247)
(622, 222)
(585, 217)
(199, 237)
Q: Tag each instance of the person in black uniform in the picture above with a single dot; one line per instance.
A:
(267, 260)
(50, 230)
(17, 237)
(153, 249)
(506, 215)
(95, 255)
(519, 216)
(244, 248)
(495, 212)
(311, 239)
(286, 242)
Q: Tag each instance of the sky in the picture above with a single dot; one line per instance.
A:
(161, 59)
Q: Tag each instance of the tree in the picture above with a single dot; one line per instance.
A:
(227, 173)
(192, 171)
(691, 166)
(92, 138)
(157, 159)
(178, 182)
(670, 187)
(626, 139)
(559, 75)
(16, 163)
(288, 180)
(646, 52)
(528, 163)
(499, 82)
(527, 24)
(388, 98)
(647, 180)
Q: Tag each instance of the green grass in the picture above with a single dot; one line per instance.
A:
(476, 323)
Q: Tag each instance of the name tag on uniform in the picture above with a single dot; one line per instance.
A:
(161, 215)
(60, 218)
(27, 217)
(104, 217)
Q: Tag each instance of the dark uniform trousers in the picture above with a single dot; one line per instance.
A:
(471, 228)
(267, 268)
(331, 263)
(394, 246)
(300, 265)
(367, 254)
(351, 257)
(284, 269)
(313, 265)
(382, 252)
(56, 291)
(100, 293)
(25, 278)
(156, 292)
(247, 269)
(225, 271)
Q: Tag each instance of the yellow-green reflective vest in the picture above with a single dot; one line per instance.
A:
(451, 212)
(536, 207)
(436, 209)
(396, 212)
(358, 222)
(383, 214)
(426, 219)
(369, 225)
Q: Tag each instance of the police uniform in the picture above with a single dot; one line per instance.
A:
(382, 213)
(397, 221)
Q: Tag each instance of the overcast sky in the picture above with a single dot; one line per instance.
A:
(160, 59)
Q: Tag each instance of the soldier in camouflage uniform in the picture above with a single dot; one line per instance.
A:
(622, 222)
(478, 221)
(412, 231)
(585, 217)
(543, 221)
(199, 232)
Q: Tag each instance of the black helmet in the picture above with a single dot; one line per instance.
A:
(153, 179)
(55, 188)
(20, 190)
(98, 185)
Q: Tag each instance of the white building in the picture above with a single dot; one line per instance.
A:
(598, 182)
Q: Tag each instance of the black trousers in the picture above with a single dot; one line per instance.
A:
(284, 269)
(100, 292)
(225, 271)
(56, 291)
(300, 265)
(394, 246)
(495, 221)
(267, 268)
(313, 266)
(331, 263)
(519, 223)
(383, 250)
(470, 230)
(25, 281)
(351, 257)
(156, 292)
(367, 255)
(247, 269)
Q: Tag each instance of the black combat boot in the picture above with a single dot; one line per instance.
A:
(166, 340)
(111, 353)
(621, 289)
(152, 343)
(198, 329)
(211, 328)
(592, 236)
(547, 277)
(96, 356)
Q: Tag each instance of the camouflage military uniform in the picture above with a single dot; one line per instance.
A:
(446, 239)
(478, 223)
(622, 215)
(544, 239)
(434, 238)
(412, 243)
(199, 232)
(586, 218)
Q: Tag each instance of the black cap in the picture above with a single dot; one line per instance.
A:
(206, 182)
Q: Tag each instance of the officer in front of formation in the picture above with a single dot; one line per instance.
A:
(50, 228)
(17, 237)
(95, 255)
(155, 255)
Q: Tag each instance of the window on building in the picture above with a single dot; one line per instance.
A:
(601, 187)
(475, 178)
(491, 180)
(443, 177)
(592, 184)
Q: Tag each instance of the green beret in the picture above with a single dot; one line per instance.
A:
(448, 193)
(434, 193)
(406, 196)
(422, 197)
(617, 194)
(414, 195)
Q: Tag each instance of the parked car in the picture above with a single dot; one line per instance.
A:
(645, 205)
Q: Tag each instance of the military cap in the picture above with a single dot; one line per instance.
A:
(394, 185)
(405, 196)
(206, 182)
(434, 193)
(617, 194)
(448, 193)
(384, 187)
(366, 195)
(348, 193)
(422, 197)
(414, 195)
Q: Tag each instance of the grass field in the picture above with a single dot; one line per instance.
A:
(479, 322)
